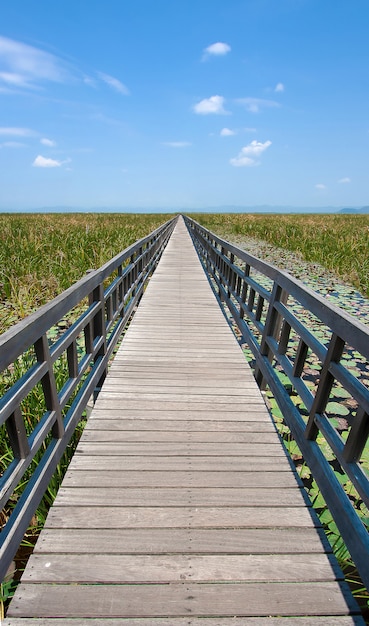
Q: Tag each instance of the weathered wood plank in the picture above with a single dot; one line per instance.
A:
(189, 414)
(166, 496)
(178, 436)
(139, 425)
(255, 413)
(161, 404)
(175, 478)
(181, 449)
(175, 517)
(341, 620)
(179, 600)
(118, 568)
(182, 540)
(182, 463)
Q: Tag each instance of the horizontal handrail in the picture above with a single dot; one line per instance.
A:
(270, 308)
(65, 366)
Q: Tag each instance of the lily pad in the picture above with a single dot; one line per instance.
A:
(337, 408)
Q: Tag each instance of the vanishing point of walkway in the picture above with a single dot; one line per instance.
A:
(180, 504)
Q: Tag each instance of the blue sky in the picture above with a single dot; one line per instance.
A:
(171, 104)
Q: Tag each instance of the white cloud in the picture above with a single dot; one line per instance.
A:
(279, 88)
(227, 132)
(114, 83)
(320, 186)
(345, 180)
(13, 131)
(253, 105)
(177, 144)
(214, 104)
(216, 49)
(41, 161)
(250, 154)
(89, 81)
(47, 142)
(24, 66)
(12, 144)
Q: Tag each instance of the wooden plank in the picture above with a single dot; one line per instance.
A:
(182, 463)
(139, 425)
(178, 436)
(341, 620)
(181, 540)
(181, 449)
(162, 404)
(198, 413)
(166, 496)
(117, 568)
(173, 391)
(178, 600)
(239, 517)
(175, 478)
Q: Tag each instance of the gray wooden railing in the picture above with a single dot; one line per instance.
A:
(270, 309)
(97, 308)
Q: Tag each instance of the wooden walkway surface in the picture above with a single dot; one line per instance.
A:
(180, 504)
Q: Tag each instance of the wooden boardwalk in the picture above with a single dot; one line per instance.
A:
(180, 503)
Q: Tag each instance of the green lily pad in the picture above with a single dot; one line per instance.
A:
(337, 408)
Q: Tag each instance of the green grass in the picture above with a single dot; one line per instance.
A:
(340, 243)
(43, 254)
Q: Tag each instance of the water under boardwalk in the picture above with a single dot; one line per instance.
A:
(180, 503)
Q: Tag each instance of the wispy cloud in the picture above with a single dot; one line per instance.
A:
(14, 131)
(214, 104)
(48, 142)
(279, 88)
(114, 83)
(41, 161)
(218, 49)
(23, 66)
(249, 155)
(345, 180)
(227, 132)
(320, 186)
(230, 132)
(12, 144)
(177, 144)
(254, 105)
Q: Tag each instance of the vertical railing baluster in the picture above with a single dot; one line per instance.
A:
(99, 330)
(17, 434)
(326, 380)
(270, 329)
(244, 289)
(49, 385)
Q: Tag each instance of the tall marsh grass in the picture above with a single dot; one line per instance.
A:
(338, 242)
(43, 254)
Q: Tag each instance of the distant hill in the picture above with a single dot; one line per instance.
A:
(364, 209)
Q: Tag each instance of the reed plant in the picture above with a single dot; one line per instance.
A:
(338, 242)
(43, 254)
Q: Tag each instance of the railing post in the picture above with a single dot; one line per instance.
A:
(334, 353)
(99, 331)
(271, 328)
(49, 385)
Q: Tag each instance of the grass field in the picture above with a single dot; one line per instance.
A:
(339, 243)
(43, 254)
